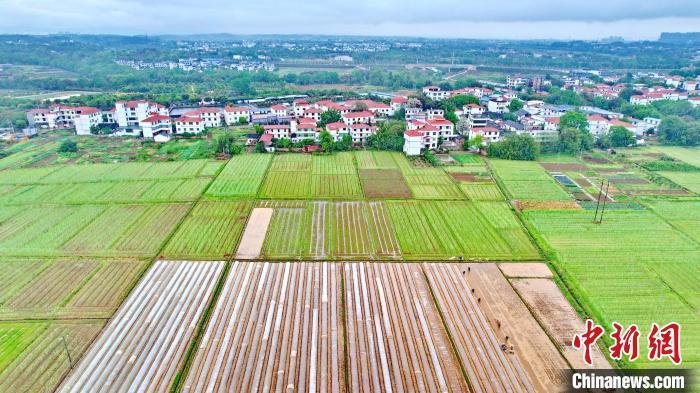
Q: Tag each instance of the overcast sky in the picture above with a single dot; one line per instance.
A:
(520, 19)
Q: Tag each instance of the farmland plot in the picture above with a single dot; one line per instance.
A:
(43, 230)
(444, 229)
(211, 231)
(394, 340)
(527, 181)
(688, 180)
(350, 231)
(302, 177)
(241, 177)
(368, 159)
(481, 191)
(43, 362)
(274, 326)
(143, 346)
(382, 230)
(604, 263)
(384, 184)
(476, 342)
(429, 183)
(65, 288)
(288, 234)
(128, 230)
(682, 215)
(330, 230)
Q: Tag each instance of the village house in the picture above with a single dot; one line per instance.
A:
(398, 103)
(358, 118)
(498, 104)
(299, 106)
(413, 142)
(435, 93)
(211, 117)
(85, 119)
(130, 113)
(234, 115)
(155, 125)
(192, 125)
(280, 110)
(488, 134)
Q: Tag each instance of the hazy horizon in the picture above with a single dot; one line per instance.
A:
(514, 20)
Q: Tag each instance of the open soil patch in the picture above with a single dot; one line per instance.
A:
(564, 167)
(596, 160)
(637, 180)
(384, 183)
(545, 205)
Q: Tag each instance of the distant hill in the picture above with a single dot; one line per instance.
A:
(680, 38)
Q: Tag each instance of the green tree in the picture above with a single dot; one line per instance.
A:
(226, 144)
(573, 119)
(68, 146)
(516, 147)
(329, 116)
(389, 136)
(515, 105)
(326, 141)
(477, 142)
(572, 140)
(675, 130)
(260, 147)
(345, 143)
(621, 136)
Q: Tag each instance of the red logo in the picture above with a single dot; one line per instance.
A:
(626, 342)
(588, 338)
(663, 341)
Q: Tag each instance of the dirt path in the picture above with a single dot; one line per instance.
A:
(558, 317)
(525, 269)
(507, 315)
(254, 234)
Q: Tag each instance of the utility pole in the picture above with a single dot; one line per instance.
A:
(65, 346)
(603, 184)
(600, 191)
(607, 188)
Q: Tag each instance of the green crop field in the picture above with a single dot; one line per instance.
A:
(241, 177)
(297, 176)
(210, 232)
(33, 354)
(686, 154)
(688, 180)
(330, 230)
(528, 181)
(449, 229)
(481, 191)
(681, 214)
(72, 288)
(633, 268)
(428, 183)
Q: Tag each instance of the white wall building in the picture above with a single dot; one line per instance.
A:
(86, 117)
(234, 114)
(412, 143)
(192, 125)
(210, 116)
(131, 113)
(155, 125)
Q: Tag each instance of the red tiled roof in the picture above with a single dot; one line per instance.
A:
(155, 118)
(188, 120)
(358, 114)
(237, 109)
(413, 133)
